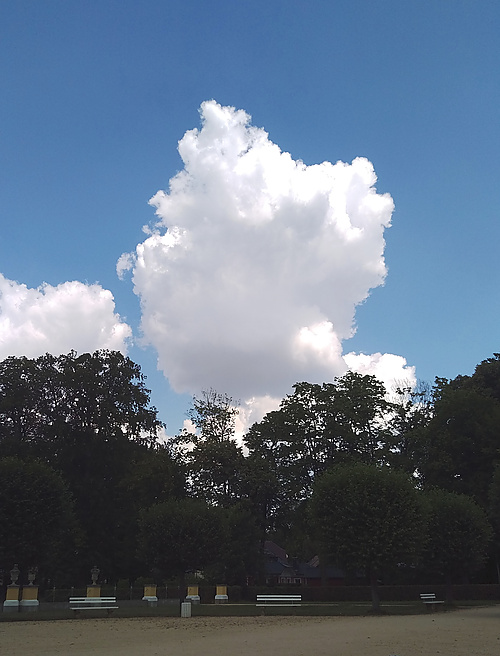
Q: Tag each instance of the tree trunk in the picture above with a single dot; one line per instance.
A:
(374, 592)
(449, 589)
(182, 586)
(322, 570)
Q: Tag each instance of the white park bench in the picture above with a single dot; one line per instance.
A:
(79, 604)
(430, 600)
(279, 600)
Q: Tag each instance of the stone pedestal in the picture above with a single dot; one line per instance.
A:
(11, 603)
(221, 594)
(193, 595)
(150, 595)
(93, 591)
(29, 601)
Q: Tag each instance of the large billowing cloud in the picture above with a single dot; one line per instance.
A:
(58, 319)
(250, 278)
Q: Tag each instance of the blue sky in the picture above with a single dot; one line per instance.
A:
(97, 95)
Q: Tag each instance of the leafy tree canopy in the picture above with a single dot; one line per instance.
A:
(212, 459)
(48, 400)
(318, 426)
(367, 518)
(461, 439)
(177, 536)
(37, 521)
(88, 416)
(457, 535)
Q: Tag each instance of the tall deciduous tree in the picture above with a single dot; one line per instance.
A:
(214, 416)
(88, 416)
(462, 446)
(212, 458)
(316, 427)
(47, 402)
(367, 518)
(410, 413)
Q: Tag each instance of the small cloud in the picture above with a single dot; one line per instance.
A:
(390, 369)
(125, 263)
(71, 315)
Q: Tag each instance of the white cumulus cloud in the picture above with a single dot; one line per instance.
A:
(56, 320)
(392, 370)
(250, 278)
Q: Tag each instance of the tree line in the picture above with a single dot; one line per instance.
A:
(395, 486)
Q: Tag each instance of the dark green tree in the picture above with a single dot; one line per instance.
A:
(457, 536)
(212, 459)
(239, 546)
(494, 516)
(260, 488)
(87, 416)
(37, 521)
(155, 476)
(47, 402)
(409, 415)
(315, 427)
(362, 413)
(366, 519)
(486, 377)
(213, 414)
(215, 471)
(179, 536)
(461, 440)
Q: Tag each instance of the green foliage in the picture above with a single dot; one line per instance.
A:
(215, 471)
(408, 418)
(154, 477)
(214, 416)
(180, 535)
(461, 441)
(260, 487)
(336, 447)
(238, 548)
(315, 427)
(46, 400)
(211, 457)
(89, 418)
(457, 535)
(366, 517)
(486, 377)
(37, 521)
(494, 505)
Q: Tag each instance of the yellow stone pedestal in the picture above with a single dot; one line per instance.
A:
(221, 594)
(11, 603)
(29, 601)
(93, 591)
(150, 595)
(193, 595)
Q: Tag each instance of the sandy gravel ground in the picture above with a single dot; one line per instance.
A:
(473, 632)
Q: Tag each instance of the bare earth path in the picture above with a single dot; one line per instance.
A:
(460, 633)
